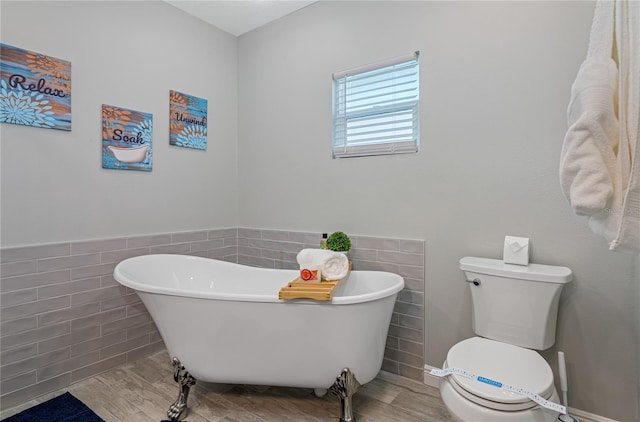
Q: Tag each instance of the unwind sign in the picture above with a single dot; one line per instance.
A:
(187, 121)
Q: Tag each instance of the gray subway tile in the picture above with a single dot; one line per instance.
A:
(140, 330)
(411, 347)
(136, 354)
(401, 258)
(415, 310)
(18, 268)
(121, 255)
(18, 297)
(35, 335)
(249, 251)
(201, 254)
(18, 382)
(413, 322)
(411, 372)
(155, 337)
(412, 271)
(223, 233)
(249, 233)
(18, 325)
(68, 314)
(374, 266)
(414, 284)
(177, 248)
(206, 245)
(68, 365)
(364, 254)
(230, 241)
(184, 237)
(126, 346)
(96, 368)
(275, 235)
(406, 333)
(390, 366)
(34, 362)
(68, 339)
(118, 302)
(144, 241)
(31, 308)
(67, 288)
(97, 295)
(410, 296)
(376, 243)
(92, 271)
(412, 246)
(34, 280)
(23, 395)
(261, 262)
(34, 252)
(67, 262)
(93, 246)
(305, 237)
(97, 343)
(108, 281)
(404, 358)
(136, 309)
(18, 353)
(125, 323)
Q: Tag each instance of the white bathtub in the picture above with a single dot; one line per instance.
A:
(225, 323)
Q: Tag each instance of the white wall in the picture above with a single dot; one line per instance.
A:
(128, 54)
(495, 81)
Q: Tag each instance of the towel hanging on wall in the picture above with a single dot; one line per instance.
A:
(599, 165)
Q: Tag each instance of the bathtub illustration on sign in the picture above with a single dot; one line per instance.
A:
(129, 154)
(127, 139)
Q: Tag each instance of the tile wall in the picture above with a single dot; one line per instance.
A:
(404, 354)
(64, 318)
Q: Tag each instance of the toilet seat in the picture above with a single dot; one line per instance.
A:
(500, 362)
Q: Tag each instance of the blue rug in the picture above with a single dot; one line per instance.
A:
(64, 408)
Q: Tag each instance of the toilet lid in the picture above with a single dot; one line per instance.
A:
(505, 363)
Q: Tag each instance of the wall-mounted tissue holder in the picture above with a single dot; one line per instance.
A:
(516, 250)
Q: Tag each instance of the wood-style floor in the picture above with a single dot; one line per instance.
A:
(143, 390)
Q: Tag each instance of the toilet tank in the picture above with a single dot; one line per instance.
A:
(515, 304)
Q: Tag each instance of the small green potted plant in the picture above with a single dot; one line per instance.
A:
(339, 242)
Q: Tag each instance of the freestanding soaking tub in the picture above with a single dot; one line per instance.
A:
(223, 322)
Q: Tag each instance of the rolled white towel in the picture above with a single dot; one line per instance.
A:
(332, 265)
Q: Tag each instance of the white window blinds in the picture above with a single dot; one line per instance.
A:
(376, 108)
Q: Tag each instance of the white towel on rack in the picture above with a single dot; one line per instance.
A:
(598, 154)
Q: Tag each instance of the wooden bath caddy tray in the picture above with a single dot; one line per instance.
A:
(299, 289)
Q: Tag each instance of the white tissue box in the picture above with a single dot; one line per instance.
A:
(516, 250)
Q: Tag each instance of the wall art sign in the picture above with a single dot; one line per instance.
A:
(35, 90)
(187, 121)
(127, 136)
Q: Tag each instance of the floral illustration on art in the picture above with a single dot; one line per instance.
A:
(187, 121)
(35, 90)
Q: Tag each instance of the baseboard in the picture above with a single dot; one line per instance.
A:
(431, 380)
(581, 415)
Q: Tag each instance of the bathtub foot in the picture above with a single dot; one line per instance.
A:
(344, 388)
(178, 409)
(320, 392)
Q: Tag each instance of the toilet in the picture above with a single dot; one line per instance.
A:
(514, 314)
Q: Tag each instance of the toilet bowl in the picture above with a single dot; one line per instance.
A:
(496, 373)
(470, 400)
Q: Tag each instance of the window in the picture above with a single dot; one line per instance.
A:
(376, 108)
